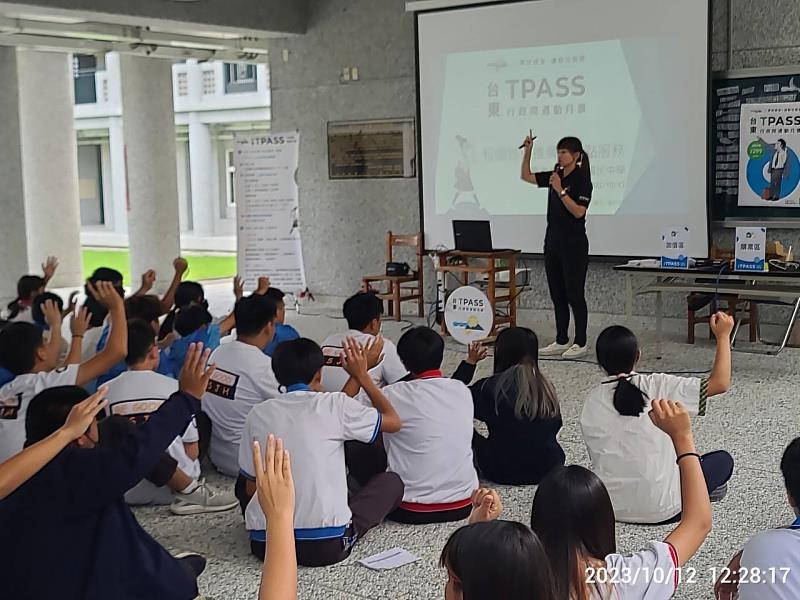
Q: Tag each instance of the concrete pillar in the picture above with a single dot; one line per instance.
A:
(50, 163)
(12, 198)
(119, 181)
(149, 132)
(200, 157)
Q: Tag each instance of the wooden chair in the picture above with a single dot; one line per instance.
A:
(400, 288)
(695, 303)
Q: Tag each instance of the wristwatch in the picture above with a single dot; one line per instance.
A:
(563, 192)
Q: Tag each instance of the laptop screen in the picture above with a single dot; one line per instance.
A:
(472, 236)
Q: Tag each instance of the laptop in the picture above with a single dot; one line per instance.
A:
(474, 236)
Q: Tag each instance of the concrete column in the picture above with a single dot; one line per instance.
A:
(200, 157)
(12, 198)
(149, 132)
(119, 180)
(50, 163)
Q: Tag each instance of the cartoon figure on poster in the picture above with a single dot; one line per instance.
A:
(769, 172)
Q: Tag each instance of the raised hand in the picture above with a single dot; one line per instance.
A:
(180, 265)
(195, 375)
(274, 480)
(80, 321)
(374, 350)
(105, 293)
(72, 304)
(238, 287)
(671, 418)
(354, 359)
(486, 505)
(82, 414)
(52, 315)
(721, 324)
(476, 353)
(148, 281)
(263, 286)
(49, 268)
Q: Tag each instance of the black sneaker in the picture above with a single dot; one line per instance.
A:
(192, 562)
(719, 493)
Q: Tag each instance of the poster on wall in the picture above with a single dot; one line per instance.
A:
(267, 224)
(769, 167)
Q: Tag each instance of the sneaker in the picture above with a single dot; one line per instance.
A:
(719, 493)
(576, 351)
(193, 562)
(203, 499)
(554, 349)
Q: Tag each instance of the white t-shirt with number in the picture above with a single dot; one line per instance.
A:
(314, 427)
(16, 396)
(242, 379)
(390, 370)
(136, 394)
(432, 452)
(633, 457)
(770, 566)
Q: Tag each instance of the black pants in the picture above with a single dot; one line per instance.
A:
(365, 461)
(566, 261)
(775, 182)
(717, 470)
(380, 496)
(498, 467)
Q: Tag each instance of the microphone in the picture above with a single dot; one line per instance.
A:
(533, 139)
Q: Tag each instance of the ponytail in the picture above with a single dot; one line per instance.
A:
(575, 146)
(14, 308)
(629, 400)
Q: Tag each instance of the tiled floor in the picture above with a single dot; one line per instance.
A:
(754, 422)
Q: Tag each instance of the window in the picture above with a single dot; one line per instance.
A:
(240, 77)
(84, 67)
(230, 178)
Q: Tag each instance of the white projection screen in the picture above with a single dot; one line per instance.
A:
(628, 77)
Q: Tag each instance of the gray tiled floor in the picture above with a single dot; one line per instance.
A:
(754, 422)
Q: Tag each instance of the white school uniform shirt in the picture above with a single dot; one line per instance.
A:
(314, 427)
(771, 566)
(242, 379)
(136, 394)
(16, 396)
(89, 344)
(432, 452)
(633, 457)
(649, 574)
(390, 370)
(779, 159)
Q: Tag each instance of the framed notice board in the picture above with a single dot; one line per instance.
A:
(729, 91)
(379, 149)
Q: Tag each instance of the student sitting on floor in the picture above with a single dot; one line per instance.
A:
(195, 325)
(243, 378)
(636, 461)
(573, 517)
(23, 352)
(72, 515)
(768, 568)
(188, 293)
(432, 452)
(283, 332)
(520, 408)
(28, 287)
(363, 313)
(314, 426)
(137, 393)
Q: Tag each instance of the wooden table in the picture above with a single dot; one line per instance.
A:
(470, 265)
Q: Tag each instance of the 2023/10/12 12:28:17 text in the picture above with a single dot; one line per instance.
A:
(686, 575)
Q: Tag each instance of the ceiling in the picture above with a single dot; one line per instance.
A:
(232, 30)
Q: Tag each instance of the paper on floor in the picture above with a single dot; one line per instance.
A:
(389, 559)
